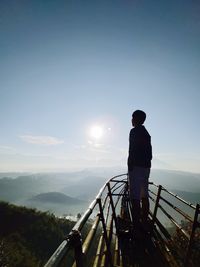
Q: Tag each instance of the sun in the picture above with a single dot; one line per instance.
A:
(96, 132)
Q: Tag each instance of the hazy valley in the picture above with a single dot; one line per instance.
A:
(71, 193)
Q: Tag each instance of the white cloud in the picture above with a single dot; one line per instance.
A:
(41, 140)
(7, 150)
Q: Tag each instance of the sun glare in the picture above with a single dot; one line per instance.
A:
(96, 132)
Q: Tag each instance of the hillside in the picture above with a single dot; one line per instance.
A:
(176, 180)
(28, 237)
(85, 188)
(27, 186)
(188, 196)
(56, 197)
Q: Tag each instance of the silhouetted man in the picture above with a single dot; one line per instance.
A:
(139, 165)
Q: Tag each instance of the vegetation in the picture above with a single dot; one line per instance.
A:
(28, 237)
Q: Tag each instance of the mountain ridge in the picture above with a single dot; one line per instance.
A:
(56, 197)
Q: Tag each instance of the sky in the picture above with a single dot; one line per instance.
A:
(68, 66)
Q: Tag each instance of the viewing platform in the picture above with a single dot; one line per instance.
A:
(172, 238)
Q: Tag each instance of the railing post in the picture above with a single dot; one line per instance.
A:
(194, 226)
(105, 233)
(156, 205)
(76, 243)
(112, 205)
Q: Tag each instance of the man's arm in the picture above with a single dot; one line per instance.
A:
(130, 151)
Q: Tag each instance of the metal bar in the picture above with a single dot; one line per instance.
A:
(99, 251)
(194, 226)
(119, 181)
(117, 176)
(61, 251)
(152, 183)
(116, 252)
(112, 205)
(78, 253)
(156, 204)
(79, 225)
(152, 199)
(153, 193)
(177, 209)
(162, 228)
(92, 232)
(58, 255)
(120, 194)
(105, 233)
(104, 261)
(104, 203)
(90, 236)
(165, 249)
(179, 198)
(115, 189)
(174, 222)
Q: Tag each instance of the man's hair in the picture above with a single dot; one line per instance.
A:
(139, 117)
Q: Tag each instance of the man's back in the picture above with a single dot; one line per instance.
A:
(140, 151)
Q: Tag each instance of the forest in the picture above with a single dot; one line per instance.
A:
(28, 237)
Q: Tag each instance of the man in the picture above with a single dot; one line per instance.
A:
(139, 165)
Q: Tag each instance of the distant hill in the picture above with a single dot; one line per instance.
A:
(78, 185)
(26, 186)
(188, 196)
(176, 180)
(31, 189)
(12, 174)
(86, 188)
(56, 197)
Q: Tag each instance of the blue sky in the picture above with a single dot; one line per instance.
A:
(66, 66)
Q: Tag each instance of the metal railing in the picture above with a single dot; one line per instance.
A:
(178, 239)
(102, 217)
(104, 206)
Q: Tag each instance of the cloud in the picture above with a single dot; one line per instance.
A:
(41, 140)
(7, 149)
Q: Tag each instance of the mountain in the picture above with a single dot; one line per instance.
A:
(188, 196)
(56, 198)
(176, 180)
(16, 189)
(86, 188)
(12, 174)
(26, 186)
(36, 190)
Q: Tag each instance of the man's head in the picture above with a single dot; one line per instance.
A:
(138, 117)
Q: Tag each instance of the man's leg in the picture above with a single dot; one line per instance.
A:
(134, 187)
(136, 216)
(145, 209)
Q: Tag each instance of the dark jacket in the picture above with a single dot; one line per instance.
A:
(140, 150)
